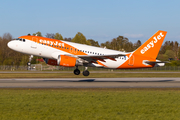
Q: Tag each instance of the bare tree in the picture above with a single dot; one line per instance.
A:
(50, 35)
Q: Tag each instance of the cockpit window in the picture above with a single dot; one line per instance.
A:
(20, 39)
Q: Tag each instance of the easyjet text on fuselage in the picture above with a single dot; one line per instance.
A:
(51, 42)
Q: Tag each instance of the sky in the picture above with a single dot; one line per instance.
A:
(101, 20)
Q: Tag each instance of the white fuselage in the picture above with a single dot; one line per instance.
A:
(45, 51)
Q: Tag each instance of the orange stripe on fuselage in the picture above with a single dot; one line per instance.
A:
(54, 43)
(71, 50)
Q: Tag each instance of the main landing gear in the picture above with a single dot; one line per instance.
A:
(85, 72)
(76, 71)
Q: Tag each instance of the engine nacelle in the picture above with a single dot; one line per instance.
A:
(50, 61)
(66, 61)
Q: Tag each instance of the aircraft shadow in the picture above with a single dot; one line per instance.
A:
(94, 80)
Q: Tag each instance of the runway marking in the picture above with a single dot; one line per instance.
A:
(91, 83)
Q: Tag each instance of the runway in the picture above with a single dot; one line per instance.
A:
(91, 83)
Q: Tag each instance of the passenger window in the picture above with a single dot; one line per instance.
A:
(23, 40)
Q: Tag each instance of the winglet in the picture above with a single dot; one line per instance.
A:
(152, 46)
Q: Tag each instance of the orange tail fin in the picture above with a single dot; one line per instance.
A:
(152, 46)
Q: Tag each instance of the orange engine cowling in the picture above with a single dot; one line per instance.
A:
(66, 61)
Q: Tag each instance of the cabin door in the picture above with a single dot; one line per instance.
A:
(131, 60)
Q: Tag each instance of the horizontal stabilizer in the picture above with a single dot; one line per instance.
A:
(154, 62)
(157, 63)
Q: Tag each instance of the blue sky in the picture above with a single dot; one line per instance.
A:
(101, 20)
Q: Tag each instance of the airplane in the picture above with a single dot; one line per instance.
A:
(69, 54)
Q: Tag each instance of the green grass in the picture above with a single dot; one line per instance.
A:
(89, 104)
(92, 75)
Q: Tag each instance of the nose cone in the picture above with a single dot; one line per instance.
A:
(16, 45)
(12, 45)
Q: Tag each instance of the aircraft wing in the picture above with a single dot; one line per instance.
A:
(94, 58)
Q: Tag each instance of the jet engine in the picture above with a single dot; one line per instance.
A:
(66, 61)
(50, 61)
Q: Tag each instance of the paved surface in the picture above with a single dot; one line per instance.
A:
(90, 72)
(91, 83)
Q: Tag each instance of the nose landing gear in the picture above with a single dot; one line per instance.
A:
(29, 63)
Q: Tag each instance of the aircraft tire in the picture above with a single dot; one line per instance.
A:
(76, 71)
(29, 64)
(86, 73)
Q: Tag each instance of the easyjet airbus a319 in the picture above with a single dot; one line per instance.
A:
(69, 54)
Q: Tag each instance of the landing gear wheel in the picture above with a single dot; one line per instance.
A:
(29, 64)
(86, 73)
(76, 71)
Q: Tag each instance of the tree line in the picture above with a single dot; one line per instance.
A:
(170, 50)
